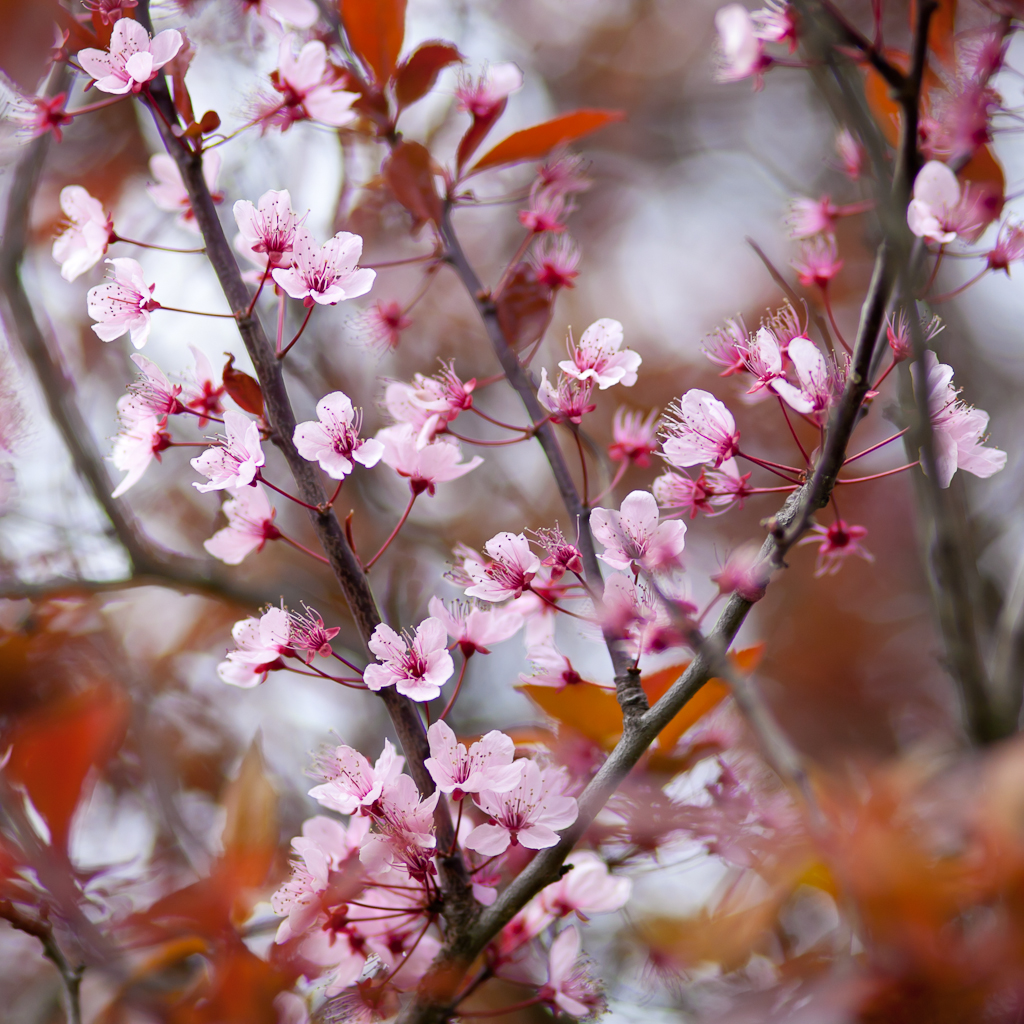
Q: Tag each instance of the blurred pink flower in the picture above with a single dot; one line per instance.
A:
(250, 525)
(123, 304)
(82, 244)
(487, 765)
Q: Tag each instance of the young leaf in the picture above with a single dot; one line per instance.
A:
(409, 173)
(536, 142)
(375, 31)
(524, 307)
(416, 75)
(243, 389)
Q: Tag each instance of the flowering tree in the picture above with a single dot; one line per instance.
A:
(438, 881)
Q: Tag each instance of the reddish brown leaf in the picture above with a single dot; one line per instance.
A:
(243, 389)
(54, 749)
(375, 30)
(524, 307)
(476, 133)
(536, 142)
(416, 75)
(409, 173)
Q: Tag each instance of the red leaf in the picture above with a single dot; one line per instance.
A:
(416, 75)
(536, 142)
(409, 173)
(524, 307)
(54, 749)
(476, 133)
(375, 30)
(244, 390)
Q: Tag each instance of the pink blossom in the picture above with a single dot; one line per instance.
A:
(250, 525)
(527, 815)
(152, 392)
(44, 114)
(259, 645)
(555, 261)
(897, 331)
(570, 986)
(674, 491)
(633, 534)
(547, 212)
(939, 210)
(818, 261)
(743, 574)
(333, 438)
(741, 52)
(142, 438)
(417, 668)
(776, 23)
(727, 347)
(309, 634)
(310, 89)
(509, 573)
(597, 357)
(133, 58)
(204, 390)
(700, 430)
(123, 304)
(589, 888)
(267, 230)
(809, 217)
(298, 13)
(236, 462)
(428, 404)
(561, 173)
(562, 557)
(1008, 248)
(836, 543)
(404, 811)
(290, 1007)
(110, 10)
(82, 244)
(482, 96)
(169, 192)
(763, 358)
(726, 487)
(350, 784)
(382, 324)
(328, 274)
(958, 429)
(487, 764)
(426, 466)
(815, 394)
(548, 666)
(634, 437)
(568, 400)
(475, 629)
(851, 154)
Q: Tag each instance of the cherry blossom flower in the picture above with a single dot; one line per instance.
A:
(290, 1007)
(308, 633)
(381, 326)
(548, 666)
(309, 87)
(897, 330)
(809, 217)
(474, 629)
(267, 230)
(527, 815)
(727, 347)
(250, 525)
(561, 173)
(151, 392)
(259, 645)
(1009, 247)
(487, 764)
(570, 986)
(776, 23)
(836, 543)
(110, 11)
(633, 534)
(44, 114)
(133, 59)
(169, 192)
(83, 243)
(763, 358)
(726, 487)
(297, 13)
(509, 573)
(743, 573)
(123, 304)
(851, 154)
(482, 96)
(634, 437)
(589, 888)
(236, 462)
(142, 438)
(203, 389)
(333, 438)
(426, 466)
(547, 212)
(675, 491)
(940, 211)
(327, 274)
(597, 357)
(700, 429)
(428, 404)
(958, 429)
(562, 557)
(349, 783)
(818, 261)
(555, 261)
(568, 400)
(815, 394)
(741, 52)
(417, 668)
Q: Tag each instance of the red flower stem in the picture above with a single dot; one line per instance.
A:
(316, 674)
(956, 291)
(484, 444)
(525, 362)
(480, 867)
(299, 547)
(878, 476)
(458, 820)
(98, 105)
(875, 447)
(583, 466)
(398, 263)
(448, 707)
(428, 280)
(412, 949)
(864, 206)
(767, 463)
(201, 415)
(498, 423)
(832, 321)
(768, 466)
(197, 312)
(619, 474)
(935, 269)
(772, 490)
(394, 533)
(355, 668)
(259, 290)
(191, 444)
(280, 325)
(298, 501)
(288, 348)
(892, 366)
(558, 607)
(512, 264)
(149, 245)
(789, 423)
(501, 1012)
(337, 491)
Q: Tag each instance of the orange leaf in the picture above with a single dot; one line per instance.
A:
(883, 107)
(54, 749)
(409, 173)
(375, 30)
(984, 169)
(941, 30)
(416, 75)
(243, 389)
(524, 307)
(536, 142)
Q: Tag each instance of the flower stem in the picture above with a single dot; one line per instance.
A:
(394, 533)
(448, 707)
(512, 264)
(878, 476)
(288, 347)
(875, 447)
(789, 423)
(197, 312)
(299, 547)
(832, 321)
(161, 248)
(619, 474)
(298, 501)
(956, 291)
